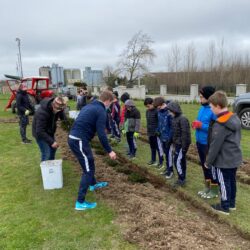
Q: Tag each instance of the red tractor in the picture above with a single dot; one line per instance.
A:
(37, 88)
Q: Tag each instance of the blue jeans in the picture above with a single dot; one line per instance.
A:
(47, 152)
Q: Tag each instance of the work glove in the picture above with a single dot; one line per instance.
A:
(124, 132)
(136, 135)
(157, 133)
(27, 112)
(196, 124)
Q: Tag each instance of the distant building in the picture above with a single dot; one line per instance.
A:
(45, 71)
(71, 76)
(57, 77)
(93, 77)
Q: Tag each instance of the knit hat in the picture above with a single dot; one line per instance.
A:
(207, 91)
(116, 93)
(124, 97)
(60, 103)
(129, 103)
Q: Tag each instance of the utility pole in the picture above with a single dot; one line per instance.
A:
(18, 40)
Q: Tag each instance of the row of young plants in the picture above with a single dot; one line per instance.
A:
(138, 173)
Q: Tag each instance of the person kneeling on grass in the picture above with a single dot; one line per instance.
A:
(91, 120)
(224, 151)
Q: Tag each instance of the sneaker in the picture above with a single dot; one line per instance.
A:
(152, 163)
(85, 205)
(179, 183)
(218, 208)
(26, 141)
(169, 175)
(98, 186)
(164, 172)
(161, 166)
(232, 209)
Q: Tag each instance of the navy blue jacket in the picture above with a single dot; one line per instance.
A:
(23, 102)
(165, 125)
(91, 120)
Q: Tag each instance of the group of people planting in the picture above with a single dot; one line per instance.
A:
(218, 135)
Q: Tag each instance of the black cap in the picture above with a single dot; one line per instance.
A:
(207, 91)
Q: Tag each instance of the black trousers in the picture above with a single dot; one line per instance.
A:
(155, 146)
(227, 182)
(23, 122)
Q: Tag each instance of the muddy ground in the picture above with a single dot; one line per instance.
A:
(149, 220)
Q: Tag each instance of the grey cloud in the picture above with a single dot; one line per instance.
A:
(79, 33)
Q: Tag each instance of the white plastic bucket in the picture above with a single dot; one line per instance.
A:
(73, 114)
(52, 174)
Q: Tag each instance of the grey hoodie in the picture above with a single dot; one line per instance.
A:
(224, 150)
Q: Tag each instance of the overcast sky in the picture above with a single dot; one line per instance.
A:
(80, 33)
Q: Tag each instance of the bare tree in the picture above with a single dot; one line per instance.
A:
(221, 61)
(190, 61)
(135, 58)
(211, 56)
(110, 76)
(176, 59)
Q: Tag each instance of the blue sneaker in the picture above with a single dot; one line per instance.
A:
(85, 205)
(98, 185)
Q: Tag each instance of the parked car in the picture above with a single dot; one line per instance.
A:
(70, 91)
(241, 107)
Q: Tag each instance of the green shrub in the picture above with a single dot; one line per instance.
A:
(110, 162)
(135, 177)
(123, 169)
(67, 124)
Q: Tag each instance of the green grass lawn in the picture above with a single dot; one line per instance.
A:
(3, 102)
(32, 218)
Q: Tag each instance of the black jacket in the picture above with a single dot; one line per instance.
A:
(44, 121)
(152, 121)
(181, 127)
(23, 102)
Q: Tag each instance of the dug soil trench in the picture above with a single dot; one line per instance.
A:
(155, 218)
